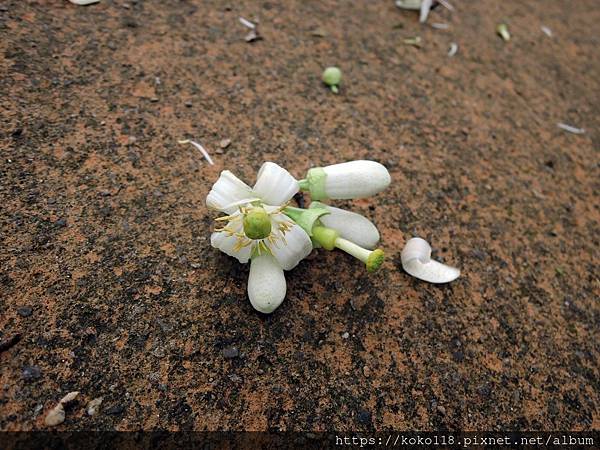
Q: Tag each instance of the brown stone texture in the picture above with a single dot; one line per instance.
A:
(106, 270)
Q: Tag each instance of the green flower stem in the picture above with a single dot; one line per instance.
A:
(329, 239)
(353, 249)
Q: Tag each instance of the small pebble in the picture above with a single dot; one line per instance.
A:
(364, 417)
(154, 99)
(32, 373)
(188, 104)
(230, 353)
(25, 311)
(366, 371)
(115, 410)
(93, 406)
(56, 416)
(441, 410)
(225, 143)
(346, 335)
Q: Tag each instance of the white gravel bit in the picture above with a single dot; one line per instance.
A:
(56, 415)
(93, 406)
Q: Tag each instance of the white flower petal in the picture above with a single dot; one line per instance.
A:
(228, 193)
(84, 2)
(266, 284)
(425, 8)
(351, 226)
(275, 185)
(355, 179)
(226, 243)
(409, 4)
(295, 248)
(416, 261)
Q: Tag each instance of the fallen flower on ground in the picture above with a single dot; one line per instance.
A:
(255, 229)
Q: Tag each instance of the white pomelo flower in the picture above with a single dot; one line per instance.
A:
(353, 179)
(256, 229)
(416, 261)
(351, 226)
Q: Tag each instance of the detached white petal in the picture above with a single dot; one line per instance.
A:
(266, 284)
(293, 247)
(409, 4)
(416, 261)
(351, 226)
(84, 2)
(228, 193)
(275, 185)
(355, 179)
(226, 242)
(425, 8)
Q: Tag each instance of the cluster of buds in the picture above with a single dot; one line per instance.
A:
(260, 226)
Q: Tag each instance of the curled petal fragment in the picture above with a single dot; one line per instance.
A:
(84, 2)
(350, 225)
(266, 284)
(275, 185)
(416, 261)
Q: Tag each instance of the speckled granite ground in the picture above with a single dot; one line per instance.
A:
(106, 272)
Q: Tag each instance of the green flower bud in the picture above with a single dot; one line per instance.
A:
(257, 223)
(332, 76)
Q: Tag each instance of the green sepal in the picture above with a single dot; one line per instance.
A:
(315, 183)
(306, 218)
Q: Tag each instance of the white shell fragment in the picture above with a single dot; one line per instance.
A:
(84, 2)
(416, 261)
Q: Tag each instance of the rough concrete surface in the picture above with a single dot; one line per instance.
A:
(109, 286)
